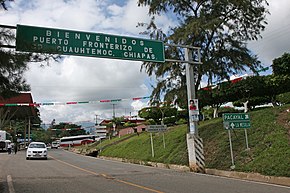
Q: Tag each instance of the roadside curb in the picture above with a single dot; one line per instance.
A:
(148, 163)
(285, 181)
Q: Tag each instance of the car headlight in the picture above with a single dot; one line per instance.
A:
(44, 151)
(29, 151)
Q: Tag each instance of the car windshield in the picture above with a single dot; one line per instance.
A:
(36, 146)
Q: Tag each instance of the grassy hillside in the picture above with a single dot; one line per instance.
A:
(269, 143)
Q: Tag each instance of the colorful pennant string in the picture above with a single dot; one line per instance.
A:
(36, 104)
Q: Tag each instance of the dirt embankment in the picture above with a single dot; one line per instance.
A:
(284, 120)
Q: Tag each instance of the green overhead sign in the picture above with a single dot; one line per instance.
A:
(67, 42)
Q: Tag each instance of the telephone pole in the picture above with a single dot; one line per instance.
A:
(114, 115)
(97, 119)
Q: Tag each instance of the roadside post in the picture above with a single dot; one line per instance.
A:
(152, 145)
(194, 142)
(156, 129)
(236, 121)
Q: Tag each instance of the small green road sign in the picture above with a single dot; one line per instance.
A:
(235, 116)
(67, 42)
(236, 121)
(237, 125)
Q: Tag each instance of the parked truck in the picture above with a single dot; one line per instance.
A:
(3, 141)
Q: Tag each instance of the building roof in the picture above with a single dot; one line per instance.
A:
(20, 111)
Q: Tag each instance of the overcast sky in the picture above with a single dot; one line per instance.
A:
(93, 79)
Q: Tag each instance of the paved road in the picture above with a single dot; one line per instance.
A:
(66, 172)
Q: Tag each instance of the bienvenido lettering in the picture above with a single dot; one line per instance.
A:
(91, 39)
(118, 40)
(58, 34)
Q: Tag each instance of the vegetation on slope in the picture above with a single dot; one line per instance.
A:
(268, 138)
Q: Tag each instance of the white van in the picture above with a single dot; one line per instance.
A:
(55, 144)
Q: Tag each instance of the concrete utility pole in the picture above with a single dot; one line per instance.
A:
(97, 119)
(190, 82)
(194, 142)
(29, 127)
(114, 115)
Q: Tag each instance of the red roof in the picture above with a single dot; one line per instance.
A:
(21, 98)
(21, 111)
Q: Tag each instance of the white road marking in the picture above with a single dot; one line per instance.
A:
(10, 184)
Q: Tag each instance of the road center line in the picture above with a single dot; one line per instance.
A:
(107, 177)
(10, 184)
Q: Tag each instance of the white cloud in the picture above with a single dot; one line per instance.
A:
(276, 34)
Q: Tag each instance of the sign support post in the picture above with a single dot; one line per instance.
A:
(247, 143)
(152, 147)
(231, 149)
(163, 140)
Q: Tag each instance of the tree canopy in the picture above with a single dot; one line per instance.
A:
(12, 67)
(281, 65)
(220, 28)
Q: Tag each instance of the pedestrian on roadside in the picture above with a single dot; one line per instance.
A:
(15, 148)
(9, 147)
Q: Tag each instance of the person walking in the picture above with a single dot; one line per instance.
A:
(9, 147)
(15, 148)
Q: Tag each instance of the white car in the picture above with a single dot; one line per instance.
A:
(55, 144)
(36, 150)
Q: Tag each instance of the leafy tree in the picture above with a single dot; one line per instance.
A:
(118, 121)
(66, 129)
(252, 91)
(276, 85)
(284, 98)
(281, 65)
(41, 135)
(129, 124)
(13, 64)
(221, 28)
(3, 4)
(156, 114)
(12, 67)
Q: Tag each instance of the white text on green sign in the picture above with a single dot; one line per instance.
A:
(235, 116)
(67, 42)
(237, 125)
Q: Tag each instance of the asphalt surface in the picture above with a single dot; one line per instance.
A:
(66, 172)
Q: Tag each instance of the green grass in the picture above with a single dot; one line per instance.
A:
(268, 137)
